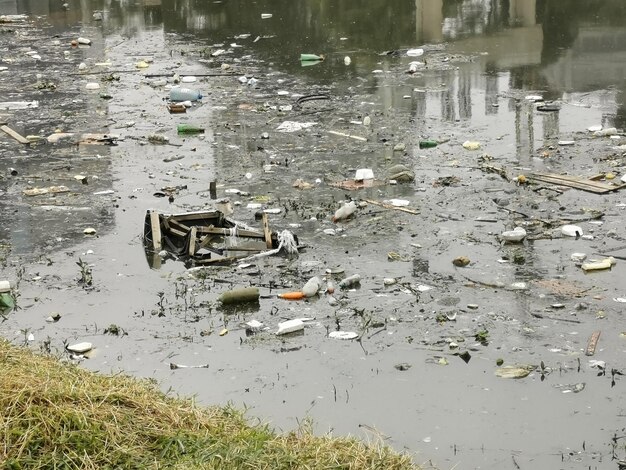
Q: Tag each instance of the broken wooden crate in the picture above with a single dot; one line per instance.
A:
(204, 238)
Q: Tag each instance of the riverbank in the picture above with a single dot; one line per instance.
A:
(59, 415)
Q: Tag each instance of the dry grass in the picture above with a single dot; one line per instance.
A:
(60, 416)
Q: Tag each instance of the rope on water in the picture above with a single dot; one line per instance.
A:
(232, 236)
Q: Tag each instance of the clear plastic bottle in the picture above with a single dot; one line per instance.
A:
(184, 94)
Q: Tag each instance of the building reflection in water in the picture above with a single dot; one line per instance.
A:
(513, 42)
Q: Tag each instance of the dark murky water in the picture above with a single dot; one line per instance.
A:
(481, 59)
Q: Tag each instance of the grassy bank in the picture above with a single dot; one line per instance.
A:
(60, 416)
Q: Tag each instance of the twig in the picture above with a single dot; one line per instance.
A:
(486, 284)
(377, 331)
(549, 317)
(159, 75)
(389, 206)
(609, 254)
(102, 72)
(342, 134)
(593, 342)
(511, 211)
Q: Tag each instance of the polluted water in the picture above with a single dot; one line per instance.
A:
(490, 138)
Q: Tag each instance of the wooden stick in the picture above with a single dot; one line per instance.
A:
(389, 206)
(355, 137)
(175, 224)
(15, 135)
(266, 230)
(593, 342)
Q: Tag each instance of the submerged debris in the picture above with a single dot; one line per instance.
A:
(210, 238)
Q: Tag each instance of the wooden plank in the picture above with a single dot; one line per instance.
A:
(176, 225)
(155, 226)
(593, 342)
(203, 242)
(266, 230)
(241, 248)
(15, 135)
(577, 183)
(217, 261)
(178, 233)
(199, 216)
(191, 248)
(226, 231)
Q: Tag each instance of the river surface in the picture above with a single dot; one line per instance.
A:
(404, 383)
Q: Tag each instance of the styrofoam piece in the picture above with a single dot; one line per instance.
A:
(515, 235)
(290, 326)
(343, 335)
(80, 348)
(364, 174)
(572, 231)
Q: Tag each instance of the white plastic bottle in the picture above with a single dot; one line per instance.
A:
(350, 281)
(184, 94)
(345, 211)
(312, 286)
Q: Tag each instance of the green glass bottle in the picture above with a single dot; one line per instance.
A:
(190, 129)
(428, 144)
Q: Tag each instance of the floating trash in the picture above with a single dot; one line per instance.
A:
(343, 335)
(80, 348)
(514, 372)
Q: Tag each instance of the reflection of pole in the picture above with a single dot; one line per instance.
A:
(550, 126)
(531, 134)
(447, 103)
(428, 20)
(523, 12)
(491, 89)
(464, 94)
(524, 132)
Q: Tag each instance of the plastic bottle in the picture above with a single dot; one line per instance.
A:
(345, 211)
(312, 286)
(184, 94)
(240, 295)
(350, 281)
(427, 144)
(189, 129)
(605, 132)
